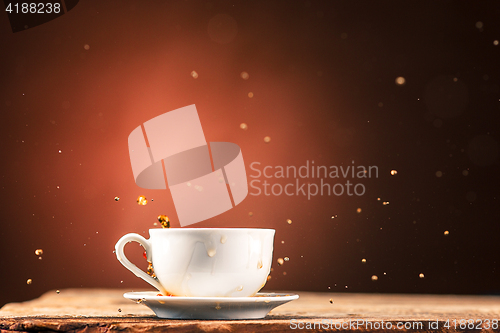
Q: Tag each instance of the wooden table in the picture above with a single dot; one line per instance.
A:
(102, 310)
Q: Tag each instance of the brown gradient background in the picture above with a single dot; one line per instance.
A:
(318, 71)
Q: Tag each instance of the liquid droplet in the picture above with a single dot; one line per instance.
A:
(244, 75)
(58, 292)
(385, 203)
(363, 261)
(211, 252)
(164, 220)
(268, 277)
(374, 278)
(267, 139)
(358, 210)
(141, 200)
(394, 172)
(38, 252)
(240, 288)
(29, 281)
(119, 310)
(280, 261)
(421, 275)
(331, 301)
(150, 270)
(117, 199)
(194, 74)
(289, 221)
(250, 94)
(223, 239)
(250, 214)
(259, 264)
(286, 258)
(334, 216)
(446, 233)
(243, 126)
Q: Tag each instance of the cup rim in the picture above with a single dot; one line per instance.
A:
(208, 229)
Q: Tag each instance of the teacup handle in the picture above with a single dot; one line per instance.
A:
(120, 255)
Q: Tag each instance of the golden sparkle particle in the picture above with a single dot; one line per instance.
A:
(141, 200)
(164, 220)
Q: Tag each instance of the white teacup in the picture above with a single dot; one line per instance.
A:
(204, 262)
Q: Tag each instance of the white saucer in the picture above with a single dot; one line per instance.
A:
(175, 307)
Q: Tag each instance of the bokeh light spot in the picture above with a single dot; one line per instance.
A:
(400, 80)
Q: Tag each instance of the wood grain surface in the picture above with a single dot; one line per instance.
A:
(104, 310)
